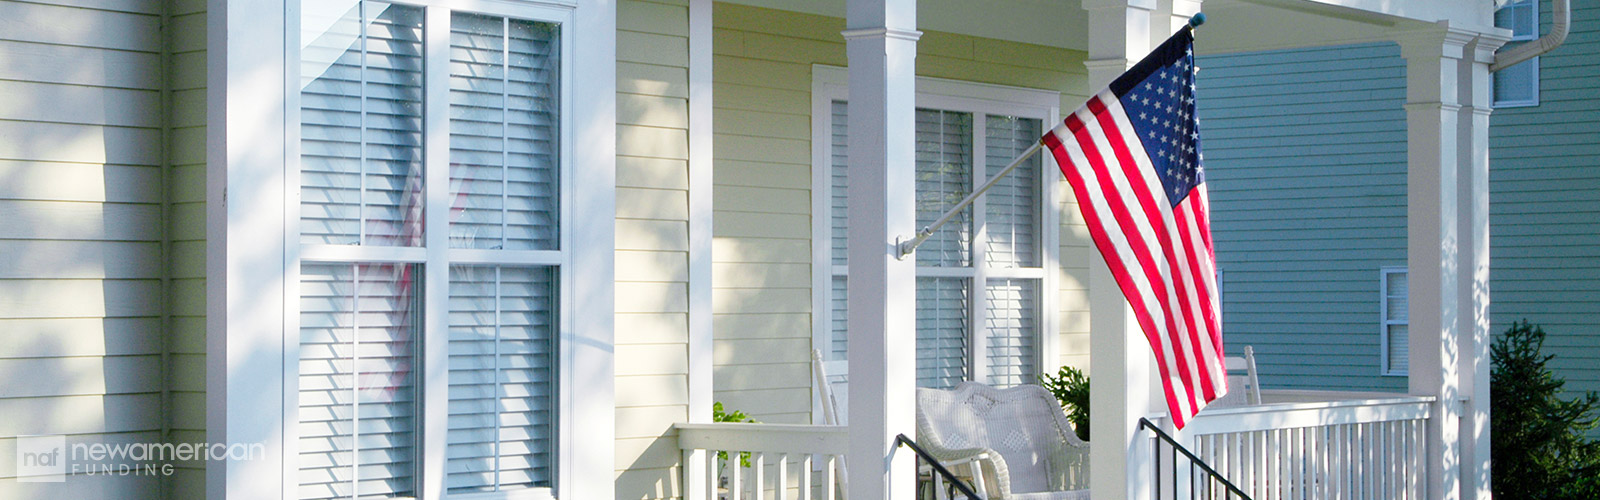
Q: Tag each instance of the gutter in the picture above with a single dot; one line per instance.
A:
(1562, 20)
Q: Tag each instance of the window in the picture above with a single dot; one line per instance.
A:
(1518, 86)
(983, 279)
(1394, 310)
(434, 181)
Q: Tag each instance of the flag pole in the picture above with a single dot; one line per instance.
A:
(905, 247)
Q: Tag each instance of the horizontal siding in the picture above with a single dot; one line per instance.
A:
(762, 204)
(81, 200)
(652, 257)
(1544, 212)
(1306, 163)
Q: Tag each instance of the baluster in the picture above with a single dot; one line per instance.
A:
(830, 482)
(736, 469)
(713, 476)
(758, 486)
(805, 477)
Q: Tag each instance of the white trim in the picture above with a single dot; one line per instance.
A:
(831, 83)
(244, 296)
(700, 237)
(1384, 322)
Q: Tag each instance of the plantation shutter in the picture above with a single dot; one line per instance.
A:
(361, 129)
(941, 332)
(839, 300)
(840, 183)
(502, 374)
(503, 133)
(944, 177)
(1013, 327)
(1011, 213)
(356, 390)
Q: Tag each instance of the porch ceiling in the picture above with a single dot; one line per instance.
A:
(1233, 25)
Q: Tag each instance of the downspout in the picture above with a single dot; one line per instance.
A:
(1561, 21)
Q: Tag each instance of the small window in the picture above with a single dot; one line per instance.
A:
(1394, 309)
(1518, 86)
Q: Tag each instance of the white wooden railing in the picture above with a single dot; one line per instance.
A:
(785, 462)
(1304, 445)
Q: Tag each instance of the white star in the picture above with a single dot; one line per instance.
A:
(1152, 134)
(1147, 86)
(1142, 115)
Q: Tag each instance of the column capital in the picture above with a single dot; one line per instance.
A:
(1452, 41)
(1093, 5)
(870, 33)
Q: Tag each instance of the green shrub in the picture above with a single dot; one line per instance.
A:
(1539, 451)
(1071, 387)
(736, 416)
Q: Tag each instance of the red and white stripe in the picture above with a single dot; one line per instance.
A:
(1161, 255)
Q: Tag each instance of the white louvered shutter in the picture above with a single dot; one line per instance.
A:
(503, 133)
(839, 300)
(357, 397)
(1013, 330)
(941, 332)
(502, 374)
(361, 128)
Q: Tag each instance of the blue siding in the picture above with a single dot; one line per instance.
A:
(1306, 157)
(1306, 162)
(1544, 206)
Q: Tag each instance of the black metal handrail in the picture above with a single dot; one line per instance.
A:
(1195, 462)
(938, 468)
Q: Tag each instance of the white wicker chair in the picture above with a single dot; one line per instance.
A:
(1017, 437)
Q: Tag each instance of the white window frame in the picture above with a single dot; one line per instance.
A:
(831, 83)
(1531, 65)
(253, 260)
(1384, 321)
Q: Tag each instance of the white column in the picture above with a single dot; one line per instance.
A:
(1447, 105)
(1472, 229)
(881, 42)
(1121, 377)
(246, 262)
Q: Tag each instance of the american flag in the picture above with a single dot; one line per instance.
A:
(1132, 155)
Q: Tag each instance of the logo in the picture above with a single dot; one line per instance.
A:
(41, 459)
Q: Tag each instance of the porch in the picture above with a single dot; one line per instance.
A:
(1298, 443)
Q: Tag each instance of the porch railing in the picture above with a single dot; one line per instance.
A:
(761, 461)
(1317, 445)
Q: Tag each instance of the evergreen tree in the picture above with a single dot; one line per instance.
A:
(1540, 451)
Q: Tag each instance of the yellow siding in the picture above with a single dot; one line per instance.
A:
(82, 299)
(652, 259)
(762, 249)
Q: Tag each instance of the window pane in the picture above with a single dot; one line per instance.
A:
(841, 183)
(1399, 348)
(944, 177)
(504, 141)
(941, 332)
(1013, 330)
(502, 378)
(838, 300)
(361, 124)
(1012, 207)
(357, 397)
(1517, 84)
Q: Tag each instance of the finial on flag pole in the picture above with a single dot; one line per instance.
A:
(1198, 19)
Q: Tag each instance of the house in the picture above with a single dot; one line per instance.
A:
(1329, 149)
(516, 249)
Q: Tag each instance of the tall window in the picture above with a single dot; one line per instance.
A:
(982, 278)
(1518, 86)
(430, 151)
(1394, 310)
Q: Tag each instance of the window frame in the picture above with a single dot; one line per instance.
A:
(1385, 322)
(436, 257)
(1531, 65)
(831, 83)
